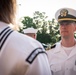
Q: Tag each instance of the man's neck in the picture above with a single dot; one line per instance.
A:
(68, 43)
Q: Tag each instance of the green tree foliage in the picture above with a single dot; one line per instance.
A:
(40, 20)
(48, 31)
(44, 37)
(28, 22)
(54, 31)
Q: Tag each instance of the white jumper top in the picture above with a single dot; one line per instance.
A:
(22, 55)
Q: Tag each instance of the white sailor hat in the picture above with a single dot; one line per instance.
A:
(30, 30)
(65, 14)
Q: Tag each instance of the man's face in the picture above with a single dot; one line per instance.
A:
(67, 29)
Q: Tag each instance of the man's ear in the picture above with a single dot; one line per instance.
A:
(35, 36)
(75, 28)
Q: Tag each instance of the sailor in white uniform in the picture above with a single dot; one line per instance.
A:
(19, 54)
(62, 55)
(32, 32)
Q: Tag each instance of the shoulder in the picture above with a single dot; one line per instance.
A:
(53, 46)
(51, 50)
(24, 40)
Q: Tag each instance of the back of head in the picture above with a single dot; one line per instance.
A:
(66, 14)
(31, 32)
(7, 11)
